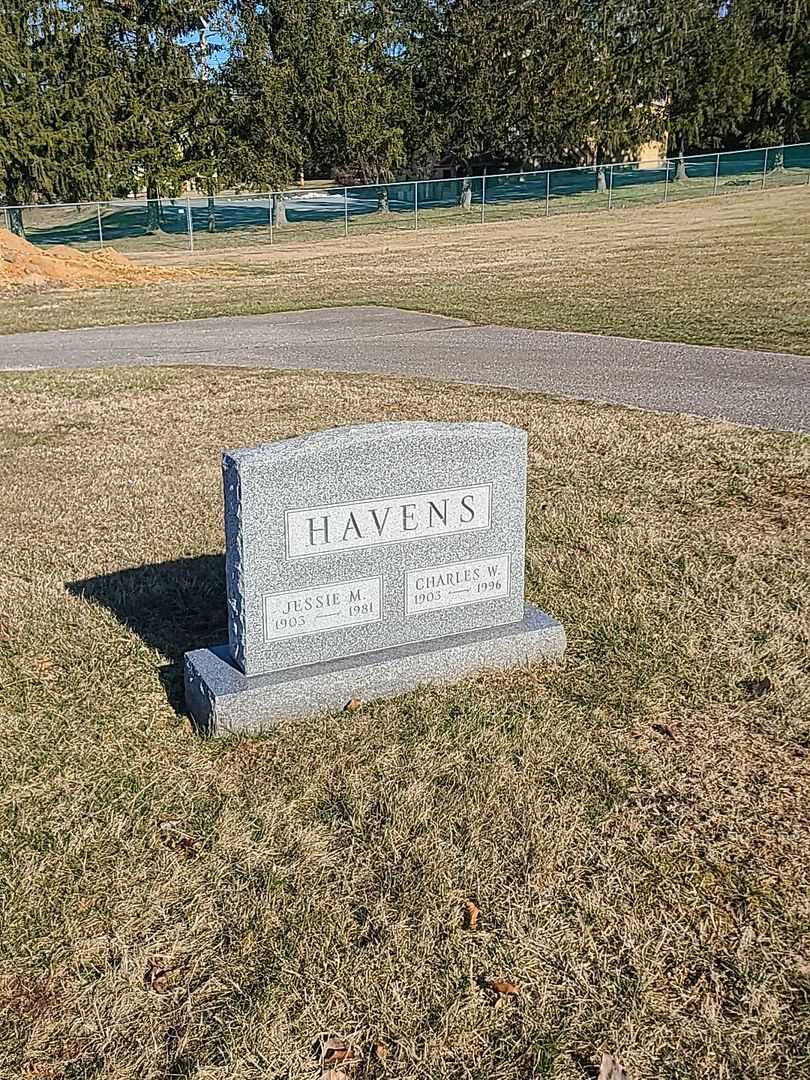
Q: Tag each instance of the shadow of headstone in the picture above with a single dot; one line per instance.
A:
(173, 606)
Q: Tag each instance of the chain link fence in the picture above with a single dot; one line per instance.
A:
(230, 222)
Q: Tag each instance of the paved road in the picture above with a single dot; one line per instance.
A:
(756, 388)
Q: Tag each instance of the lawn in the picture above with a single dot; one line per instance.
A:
(723, 271)
(631, 822)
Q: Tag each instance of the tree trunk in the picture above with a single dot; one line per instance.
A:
(598, 158)
(279, 211)
(382, 201)
(15, 220)
(680, 168)
(212, 220)
(466, 196)
(152, 208)
(17, 196)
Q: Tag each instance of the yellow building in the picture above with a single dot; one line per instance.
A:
(652, 154)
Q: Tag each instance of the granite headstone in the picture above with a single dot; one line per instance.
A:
(363, 562)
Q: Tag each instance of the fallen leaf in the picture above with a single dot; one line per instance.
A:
(334, 1074)
(755, 688)
(5, 630)
(379, 1051)
(353, 705)
(336, 1049)
(41, 663)
(25, 998)
(177, 839)
(161, 976)
(40, 1070)
(186, 845)
(611, 1069)
(670, 730)
(502, 987)
(471, 913)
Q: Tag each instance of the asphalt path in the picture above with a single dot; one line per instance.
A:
(760, 389)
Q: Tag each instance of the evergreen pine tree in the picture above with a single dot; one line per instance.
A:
(569, 80)
(710, 78)
(99, 97)
(301, 62)
(157, 47)
(58, 134)
(264, 148)
(780, 106)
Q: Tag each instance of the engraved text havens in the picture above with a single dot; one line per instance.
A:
(417, 516)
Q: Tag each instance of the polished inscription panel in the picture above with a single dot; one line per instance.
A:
(453, 584)
(324, 607)
(326, 530)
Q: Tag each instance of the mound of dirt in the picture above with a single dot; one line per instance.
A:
(23, 264)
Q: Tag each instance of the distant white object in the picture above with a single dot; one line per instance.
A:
(317, 196)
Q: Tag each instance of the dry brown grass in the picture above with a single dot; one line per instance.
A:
(632, 823)
(728, 271)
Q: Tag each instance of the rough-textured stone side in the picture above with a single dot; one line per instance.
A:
(234, 558)
(200, 699)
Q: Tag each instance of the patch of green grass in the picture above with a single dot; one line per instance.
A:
(723, 271)
(13, 437)
(631, 821)
(85, 384)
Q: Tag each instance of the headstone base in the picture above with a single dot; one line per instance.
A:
(222, 700)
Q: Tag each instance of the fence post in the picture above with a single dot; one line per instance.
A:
(416, 204)
(548, 191)
(764, 169)
(346, 212)
(100, 230)
(666, 180)
(8, 224)
(483, 195)
(610, 189)
(270, 215)
(716, 173)
(188, 222)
